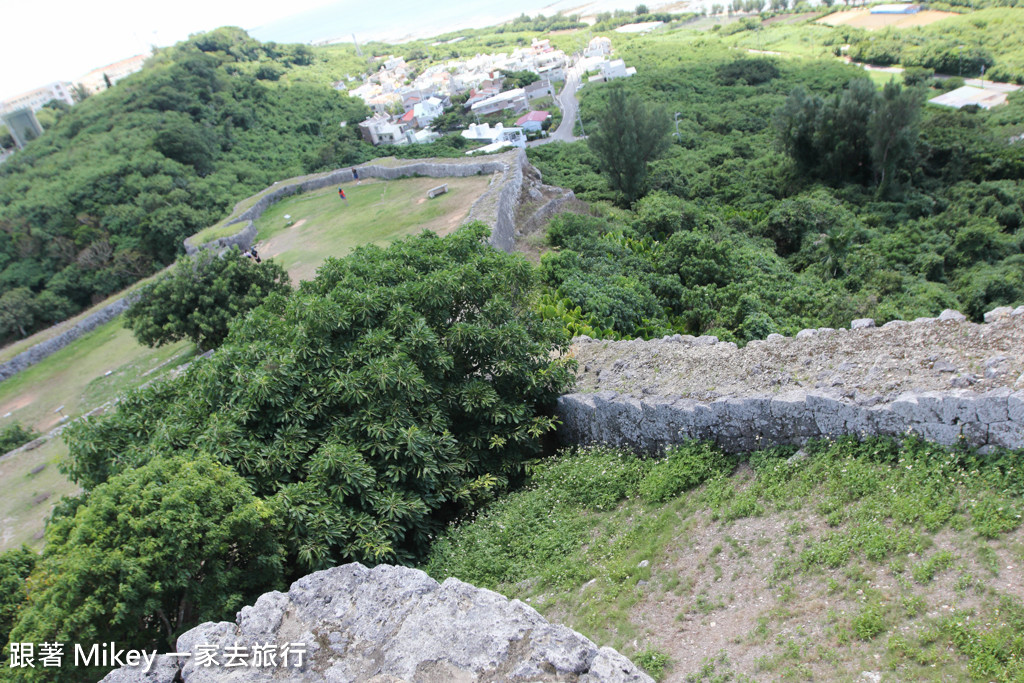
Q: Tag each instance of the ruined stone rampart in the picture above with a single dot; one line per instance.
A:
(930, 389)
(496, 207)
(38, 352)
(389, 624)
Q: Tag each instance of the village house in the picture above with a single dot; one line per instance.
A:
(539, 89)
(612, 69)
(380, 130)
(533, 121)
(496, 137)
(425, 112)
(599, 47)
(512, 99)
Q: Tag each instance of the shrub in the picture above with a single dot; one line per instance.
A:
(685, 466)
(15, 435)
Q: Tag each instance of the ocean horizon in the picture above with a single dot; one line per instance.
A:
(339, 21)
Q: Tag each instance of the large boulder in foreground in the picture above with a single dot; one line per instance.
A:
(386, 624)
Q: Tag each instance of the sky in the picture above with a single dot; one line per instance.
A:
(40, 44)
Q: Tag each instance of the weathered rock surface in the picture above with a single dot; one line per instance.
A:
(944, 378)
(390, 624)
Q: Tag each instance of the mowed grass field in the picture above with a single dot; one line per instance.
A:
(77, 377)
(30, 484)
(376, 212)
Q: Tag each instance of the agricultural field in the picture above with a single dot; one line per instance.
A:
(863, 18)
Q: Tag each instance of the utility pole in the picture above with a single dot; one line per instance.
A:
(359, 52)
(960, 52)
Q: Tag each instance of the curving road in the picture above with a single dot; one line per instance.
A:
(567, 101)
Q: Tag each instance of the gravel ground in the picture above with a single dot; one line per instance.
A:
(868, 365)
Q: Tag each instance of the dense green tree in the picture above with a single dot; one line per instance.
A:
(631, 133)
(18, 312)
(200, 298)
(892, 132)
(381, 397)
(149, 554)
(15, 567)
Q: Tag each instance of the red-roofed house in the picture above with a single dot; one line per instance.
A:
(533, 120)
(409, 118)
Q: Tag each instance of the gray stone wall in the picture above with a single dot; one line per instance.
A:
(994, 418)
(45, 348)
(984, 419)
(498, 212)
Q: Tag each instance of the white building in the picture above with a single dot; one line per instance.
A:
(419, 137)
(538, 90)
(612, 69)
(599, 47)
(96, 80)
(35, 99)
(512, 99)
(483, 132)
(428, 110)
(380, 130)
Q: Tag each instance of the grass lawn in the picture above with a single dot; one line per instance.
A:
(377, 212)
(76, 378)
(29, 486)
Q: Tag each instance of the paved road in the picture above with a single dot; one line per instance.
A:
(569, 104)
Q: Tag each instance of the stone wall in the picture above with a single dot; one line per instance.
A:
(744, 424)
(646, 415)
(496, 207)
(43, 349)
(389, 624)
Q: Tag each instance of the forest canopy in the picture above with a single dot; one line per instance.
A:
(107, 195)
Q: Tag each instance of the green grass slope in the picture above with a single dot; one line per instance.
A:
(904, 561)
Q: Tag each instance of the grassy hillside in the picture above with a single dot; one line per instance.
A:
(901, 560)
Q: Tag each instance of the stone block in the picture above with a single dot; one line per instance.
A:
(1006, 434)
(993, 406)
(861, 323)
(1015, 407)
(998, 313)
(950, 315)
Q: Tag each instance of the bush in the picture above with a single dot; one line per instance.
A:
(398, 386)
(684, 467)
(14, 435)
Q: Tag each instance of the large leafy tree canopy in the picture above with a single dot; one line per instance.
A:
(106, 196)
(397, 386)
(147, 555)
(201, 296)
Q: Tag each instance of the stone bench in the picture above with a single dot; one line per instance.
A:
(435, 191)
